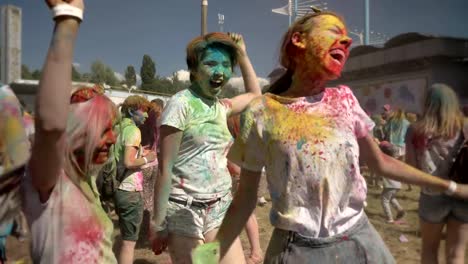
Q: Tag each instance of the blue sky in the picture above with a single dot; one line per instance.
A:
(120, 32)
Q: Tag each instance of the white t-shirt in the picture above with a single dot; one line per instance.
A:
(309, 148)
(68, 228)
(200, 169)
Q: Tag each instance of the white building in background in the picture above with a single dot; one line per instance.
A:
(26, 92)
(10, 43)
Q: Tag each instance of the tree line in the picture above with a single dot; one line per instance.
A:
(102, 73)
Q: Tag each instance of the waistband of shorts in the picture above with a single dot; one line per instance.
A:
(295, 237)
(189, 201)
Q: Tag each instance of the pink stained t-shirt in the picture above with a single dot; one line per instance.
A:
(69, 227)
(309, 148)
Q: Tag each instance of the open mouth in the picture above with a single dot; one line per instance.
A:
(216, 83)
(338, 55)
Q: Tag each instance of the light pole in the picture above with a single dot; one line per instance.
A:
(204, 13)
(298, 8)
(375, 38)
(360, 35)
(366, 23)
(221, 22)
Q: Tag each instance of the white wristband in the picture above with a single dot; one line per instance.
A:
(452, 188)
(146, 161)
(67, 10)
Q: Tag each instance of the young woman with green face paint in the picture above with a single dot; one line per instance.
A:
(193, 191)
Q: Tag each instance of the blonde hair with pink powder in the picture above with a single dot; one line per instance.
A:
(87, 121)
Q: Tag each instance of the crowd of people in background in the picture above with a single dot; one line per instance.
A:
(185, 173)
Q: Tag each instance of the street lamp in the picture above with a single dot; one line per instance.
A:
(375, 38)
(360, 35)
(221, 22)
(298, 8)
(204, 13)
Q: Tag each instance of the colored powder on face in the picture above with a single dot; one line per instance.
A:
(325, 35)
(215, 66)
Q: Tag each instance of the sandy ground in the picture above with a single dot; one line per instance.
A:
(404, 252)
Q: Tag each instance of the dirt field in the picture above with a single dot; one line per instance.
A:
(404, 252)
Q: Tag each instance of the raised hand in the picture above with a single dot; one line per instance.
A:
(76, 3)
(159, 242)
(150, 156)
(238, 39)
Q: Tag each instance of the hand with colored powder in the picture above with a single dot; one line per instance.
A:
(206, 254)
(75, 3)
(238, 39)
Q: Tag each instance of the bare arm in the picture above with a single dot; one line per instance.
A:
(252, 87)
(52, 106)
(240, 210)
(132, 162)
(170, 139)
(397, 170)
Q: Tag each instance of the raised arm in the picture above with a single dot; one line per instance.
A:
(240, 210)
(400, 171)
(52, 102)
(252, 87)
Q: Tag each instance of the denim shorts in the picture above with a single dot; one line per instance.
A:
(359, 245)
(436, 209)
(193, 221)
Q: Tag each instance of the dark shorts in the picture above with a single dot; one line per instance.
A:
(436, 209)
(129, 208)
(361, 244)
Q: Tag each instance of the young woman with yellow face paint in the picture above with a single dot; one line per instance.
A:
(194, 141)
(310, 138)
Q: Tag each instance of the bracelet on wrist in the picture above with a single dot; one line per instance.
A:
(68, 10)
(452, 188)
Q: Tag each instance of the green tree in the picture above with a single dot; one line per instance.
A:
(86, 77)
(101, 73)
(76, 76)
(130, 76)
(26, 73)
(147, 72)
(36, 75)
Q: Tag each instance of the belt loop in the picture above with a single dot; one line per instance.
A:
(189, 201)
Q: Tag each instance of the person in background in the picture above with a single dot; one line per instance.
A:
(193, 190)
(149, 140)
(390, 188)
(395, 130)
(71, 143)
(432, 143)
(386, 111)
(131, 157)
(14, 155)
